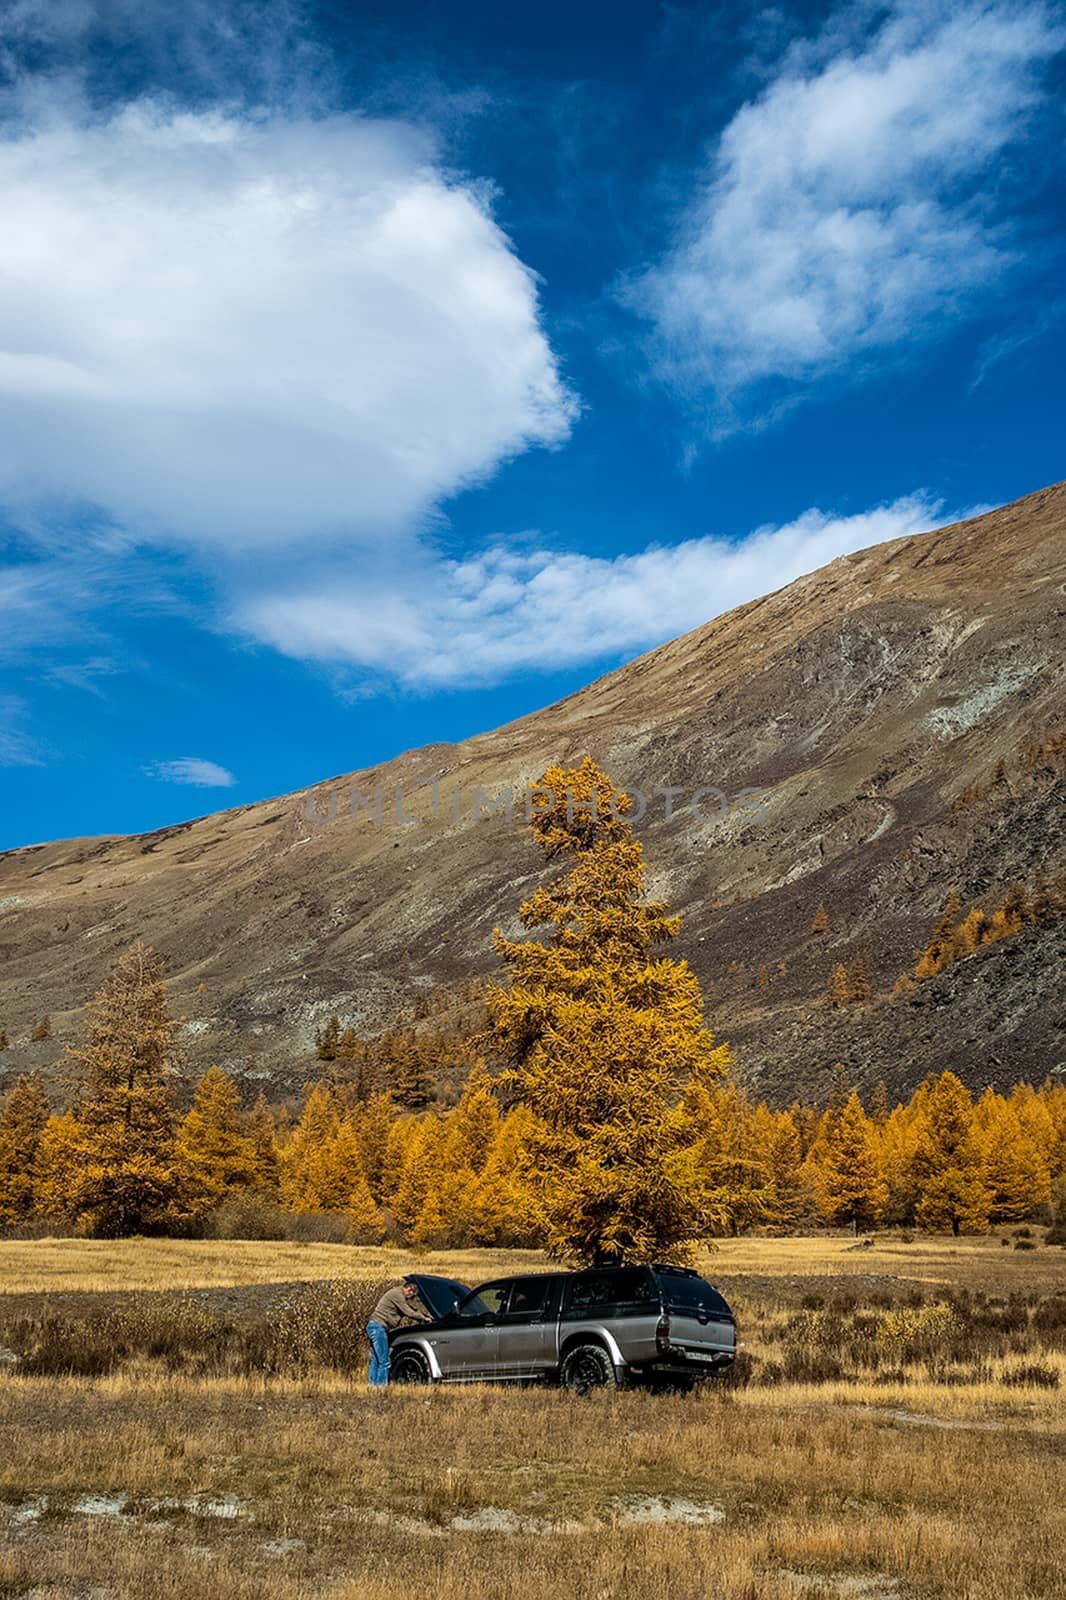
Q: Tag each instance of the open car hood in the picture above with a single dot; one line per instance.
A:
(438, 1295)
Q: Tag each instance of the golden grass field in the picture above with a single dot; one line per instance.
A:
(932, 1466)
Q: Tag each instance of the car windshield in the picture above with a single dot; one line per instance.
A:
(691, 1294)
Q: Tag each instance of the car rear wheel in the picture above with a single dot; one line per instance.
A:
(587, 1366)
(409, 1366)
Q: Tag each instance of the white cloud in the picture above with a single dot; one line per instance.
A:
(82, 674)
(481, 620)
(261, 52)
(849, 205)
(71, 595)
(18, 748)
(192, 769)
(43, 601)
(257, 331)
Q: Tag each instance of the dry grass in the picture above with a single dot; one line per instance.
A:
(882, 1485)
(63, 1265)
(52, 1266)
(970, 1263)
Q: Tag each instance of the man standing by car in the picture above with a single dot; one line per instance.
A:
(398, 1304)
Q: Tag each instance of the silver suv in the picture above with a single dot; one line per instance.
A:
(602, 1328)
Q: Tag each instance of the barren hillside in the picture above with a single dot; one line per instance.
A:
(901, 712)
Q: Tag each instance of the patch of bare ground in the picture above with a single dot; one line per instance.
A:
(855, 1586)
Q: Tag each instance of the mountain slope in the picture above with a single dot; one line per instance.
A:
(888, 707)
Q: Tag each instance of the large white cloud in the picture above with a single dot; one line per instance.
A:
(480, 620)
(278, 333)
(255, 331)
(849, 204)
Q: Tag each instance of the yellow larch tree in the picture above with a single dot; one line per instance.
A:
(1034, 1109)
(1015, 1169)
(322, 1170)
(327, 1040)
(777, 1136)
(407, 1069)
(336, 1172)
(399, 1141)
(262, 1132)
(23, 1119)
(948, 1163)
(967, 936)
(373, 1120)
(1053, 1101)
(420, 1177)
(123, 1176)
(432, 1229)
(473, 1125)
(732, 1162)
(603, 1038)
(448, 1217)
(366, 1224)
(932, 958)
(838, 992)
(859, 982)
(214, 1154)
(898, 1139)
(845, 1168)
(59, 1151)
(452, 1210)
(302, 1156)
(502, 1209)
(879, 1105)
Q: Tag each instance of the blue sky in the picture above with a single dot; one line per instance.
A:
(371, 376)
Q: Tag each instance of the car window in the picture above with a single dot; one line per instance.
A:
(529, 1296)
(487, 1301)
(598, 1292)
(683, 1293)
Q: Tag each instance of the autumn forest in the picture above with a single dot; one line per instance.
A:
(585, 1105)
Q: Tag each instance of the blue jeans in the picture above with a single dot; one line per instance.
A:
(379, 1354)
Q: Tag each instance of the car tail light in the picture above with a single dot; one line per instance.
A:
(662, 1334)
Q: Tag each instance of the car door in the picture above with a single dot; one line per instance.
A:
(465, 1342)
(528, 1327)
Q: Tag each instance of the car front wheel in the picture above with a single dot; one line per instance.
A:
(409, 1366)
(587, 1366)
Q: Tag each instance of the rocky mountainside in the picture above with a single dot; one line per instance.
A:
(875, 734)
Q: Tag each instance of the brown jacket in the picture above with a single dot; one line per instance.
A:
(394, 1306)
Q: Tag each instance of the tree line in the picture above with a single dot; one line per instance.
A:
(942, 1162)
(598, 1117)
